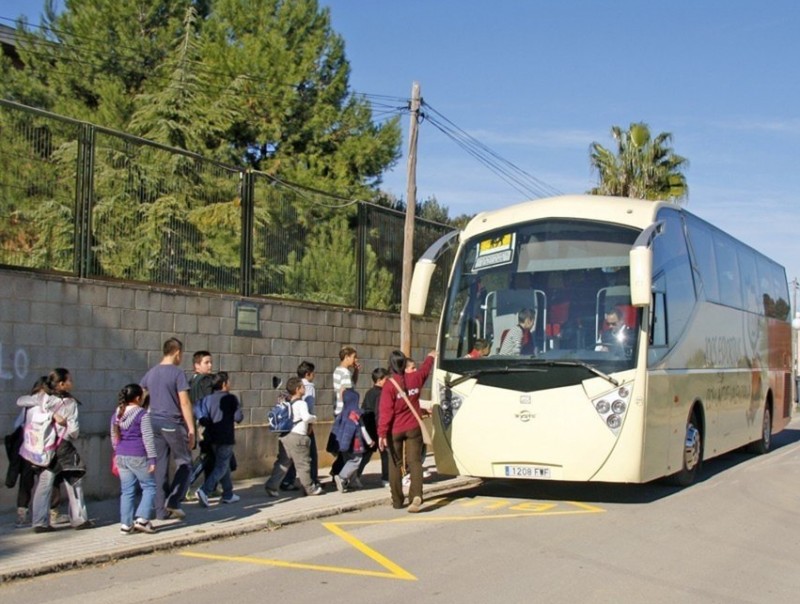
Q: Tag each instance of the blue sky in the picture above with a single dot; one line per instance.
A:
(538, 81)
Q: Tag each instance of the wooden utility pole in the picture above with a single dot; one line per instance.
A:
(408, 233)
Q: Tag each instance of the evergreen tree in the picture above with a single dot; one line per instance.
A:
(327, 270)
(294, 115)
(300, 122)
(90, 60)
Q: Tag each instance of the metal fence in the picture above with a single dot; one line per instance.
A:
(84, 200)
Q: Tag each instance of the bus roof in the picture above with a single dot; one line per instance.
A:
(638, 213)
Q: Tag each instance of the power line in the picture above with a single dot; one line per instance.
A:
(521, 180)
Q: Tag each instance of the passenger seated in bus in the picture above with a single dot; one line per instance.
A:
(481, 349)
(616, 335)
(519, 340)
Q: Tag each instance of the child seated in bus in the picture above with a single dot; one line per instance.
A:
(519, 340)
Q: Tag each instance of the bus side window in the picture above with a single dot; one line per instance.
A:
(658, 321)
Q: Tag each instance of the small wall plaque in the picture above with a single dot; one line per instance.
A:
(247, 319)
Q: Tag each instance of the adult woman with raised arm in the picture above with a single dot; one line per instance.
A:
(398, 426)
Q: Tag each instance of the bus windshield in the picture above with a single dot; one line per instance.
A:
(544, 298)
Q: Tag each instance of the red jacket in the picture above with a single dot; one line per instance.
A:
(395, 415)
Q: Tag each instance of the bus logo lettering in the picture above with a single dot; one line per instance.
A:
(525, 416)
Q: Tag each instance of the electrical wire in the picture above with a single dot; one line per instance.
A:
(519, 179)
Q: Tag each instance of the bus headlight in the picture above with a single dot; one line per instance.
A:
(612, 407)
(449, 404)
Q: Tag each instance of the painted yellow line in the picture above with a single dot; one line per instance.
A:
(535, 510)
(298, 565)
(393, 568)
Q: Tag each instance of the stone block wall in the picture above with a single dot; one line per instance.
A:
(109, 333)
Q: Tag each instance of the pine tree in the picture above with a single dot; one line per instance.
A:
(327, 270)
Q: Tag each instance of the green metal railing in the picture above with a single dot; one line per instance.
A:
(81, 199)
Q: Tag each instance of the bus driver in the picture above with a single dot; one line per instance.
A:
(617, 335)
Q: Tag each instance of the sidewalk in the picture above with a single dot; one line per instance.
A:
(24, 553)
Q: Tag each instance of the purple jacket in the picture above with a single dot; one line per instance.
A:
(135, 434)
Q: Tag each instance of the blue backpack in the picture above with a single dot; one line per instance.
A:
(280, 417)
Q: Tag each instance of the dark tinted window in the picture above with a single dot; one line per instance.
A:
(703, 247)
(671, 268)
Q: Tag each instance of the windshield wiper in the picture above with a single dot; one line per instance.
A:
(477, 372)
(587, 366)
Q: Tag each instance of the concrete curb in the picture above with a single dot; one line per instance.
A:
(104, 544)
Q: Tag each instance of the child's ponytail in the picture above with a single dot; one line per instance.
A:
(127, 395)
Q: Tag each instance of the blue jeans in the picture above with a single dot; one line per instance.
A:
(222, 471)
(41, 500)
(351, 463)
(133, 471)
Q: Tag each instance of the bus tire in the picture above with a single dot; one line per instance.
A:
(763, 444)
(692, 453)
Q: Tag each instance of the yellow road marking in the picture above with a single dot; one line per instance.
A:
(393, 570)
(298, 565)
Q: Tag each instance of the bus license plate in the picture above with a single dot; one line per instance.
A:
(533, 472)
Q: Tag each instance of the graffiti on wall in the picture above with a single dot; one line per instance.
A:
(13, 365)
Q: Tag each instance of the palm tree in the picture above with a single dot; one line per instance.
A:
(642, 167)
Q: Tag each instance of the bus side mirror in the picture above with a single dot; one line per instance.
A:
(641, 259)
(420, 283)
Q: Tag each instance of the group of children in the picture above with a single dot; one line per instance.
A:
(353, 439)
(353, 435)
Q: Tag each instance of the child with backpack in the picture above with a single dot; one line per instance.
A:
(294, 445)
(353, 439)
(21, 468)
(52, 425)
(135, 451)
(222, 411)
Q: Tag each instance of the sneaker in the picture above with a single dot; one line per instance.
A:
(426, 474)
(340, 484)
(56, 518)
(202, 498)
(190, 496)
(143, 526)
(232, 499)
(176, 513)
(289, 486)
(43, 529)
(84, 525)
(272, 492)
(415, 505)
(125, 529)
(22, 518)
(317, 490)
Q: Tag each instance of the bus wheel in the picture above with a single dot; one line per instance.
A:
(692, 453)
(763, 444)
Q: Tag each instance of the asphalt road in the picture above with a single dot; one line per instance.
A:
(732, 537)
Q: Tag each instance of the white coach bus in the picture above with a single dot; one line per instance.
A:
(641, 340)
